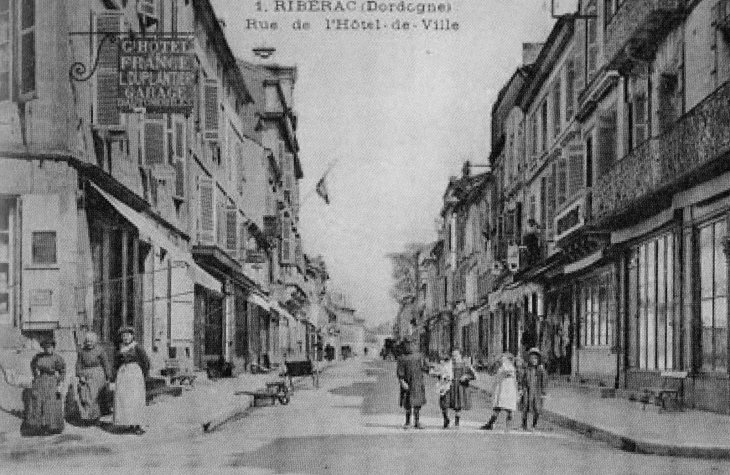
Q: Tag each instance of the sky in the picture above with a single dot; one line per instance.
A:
(398, 111)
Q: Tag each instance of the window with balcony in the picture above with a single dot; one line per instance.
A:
(713, 295)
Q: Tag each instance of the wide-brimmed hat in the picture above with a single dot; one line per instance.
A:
(534, 351)
(126, 329)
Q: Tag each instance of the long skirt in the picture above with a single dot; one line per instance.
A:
(129, 396)
(90, 388)
(45, 407)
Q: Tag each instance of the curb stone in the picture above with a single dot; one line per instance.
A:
(630, 444)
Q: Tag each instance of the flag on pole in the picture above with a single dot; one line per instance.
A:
(322, 189)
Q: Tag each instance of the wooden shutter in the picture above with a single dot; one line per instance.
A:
(154, 139)
(210, 111)
(27, 47)
(106, 112)
(562, 181)
(240, 168)
(569, 89)
(640, 112)
(232, 230)
(206, 211)
(550, 198)
(286, 241)
(606, 146)
(221, 219)
(180, 179)
(575, 169)
(578, 67)
(242, 239)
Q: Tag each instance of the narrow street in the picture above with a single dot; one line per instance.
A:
(352, 424)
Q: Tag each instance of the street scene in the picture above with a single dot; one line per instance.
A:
(365, 236)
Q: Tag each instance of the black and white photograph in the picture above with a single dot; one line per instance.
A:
(278, 237)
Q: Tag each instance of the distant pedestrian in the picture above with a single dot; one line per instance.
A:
(131, 369)
(44, 415)
(412, 387)
(504, 395)
(533, 384)
(93, 372)
(458, 373)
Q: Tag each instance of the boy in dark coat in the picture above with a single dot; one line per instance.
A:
(533, 384)
(412, 388)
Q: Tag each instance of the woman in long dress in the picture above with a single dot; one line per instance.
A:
(44, 414)
(93, 372)
(504, 396)
(458, 373)
(131, 368)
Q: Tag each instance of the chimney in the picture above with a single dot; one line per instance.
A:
(530, 51)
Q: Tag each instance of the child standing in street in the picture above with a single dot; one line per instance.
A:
(504, 395)
(533, 383)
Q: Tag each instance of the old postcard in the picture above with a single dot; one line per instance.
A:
(364, 236)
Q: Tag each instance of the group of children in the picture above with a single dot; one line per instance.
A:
(516, 384)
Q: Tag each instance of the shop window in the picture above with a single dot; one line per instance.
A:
(596, 309)
(652, 295)
(713, 296)
(44, 248)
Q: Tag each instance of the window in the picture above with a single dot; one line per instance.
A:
(43, 248)
(713, 295)
(569, 89)
(591, 41)
(556, 108)
(589, 159)
(5, 50)
(27, 47)
(544, 125)
(596, 310)
(533, 126)
(651, 293)
(562, 181)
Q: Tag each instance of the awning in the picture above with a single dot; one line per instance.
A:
(257, 299)
(147, 230)
(583, 263)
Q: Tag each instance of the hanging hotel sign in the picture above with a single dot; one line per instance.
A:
(157, 73)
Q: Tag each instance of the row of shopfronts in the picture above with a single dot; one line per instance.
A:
(599, 232)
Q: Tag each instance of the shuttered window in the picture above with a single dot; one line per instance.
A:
(106, 112)
(557, 104)
(286, 240)
(242, 238)
(231, 229)
(221, 220)
(569, 89)
(562, 181)
(27, 47)
(180, 179)
(579, 73)
(591, 41)
(154, 139)
(575, 172)
(206, 216)
(179, 139)
(43, 247)
(550, 198)
(210, 111)
(606, 146)
(6, 50)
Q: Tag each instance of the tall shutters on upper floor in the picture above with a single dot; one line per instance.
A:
(106, 112)
(288, 243)
(606, 142)
(154, 139)
(27, 47)
(206, 210)
(575, 169)
(232, 229)
(210, 110)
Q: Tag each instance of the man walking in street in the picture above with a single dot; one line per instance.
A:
(412, 387)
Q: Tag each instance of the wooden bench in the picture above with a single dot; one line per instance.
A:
(298, 369)
(668, 396)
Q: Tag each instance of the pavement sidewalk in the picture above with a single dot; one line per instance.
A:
(202, 408)
(626, 425)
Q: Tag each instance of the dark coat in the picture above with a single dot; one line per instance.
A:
(533, 384)
(458, 396)
(410, 370)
